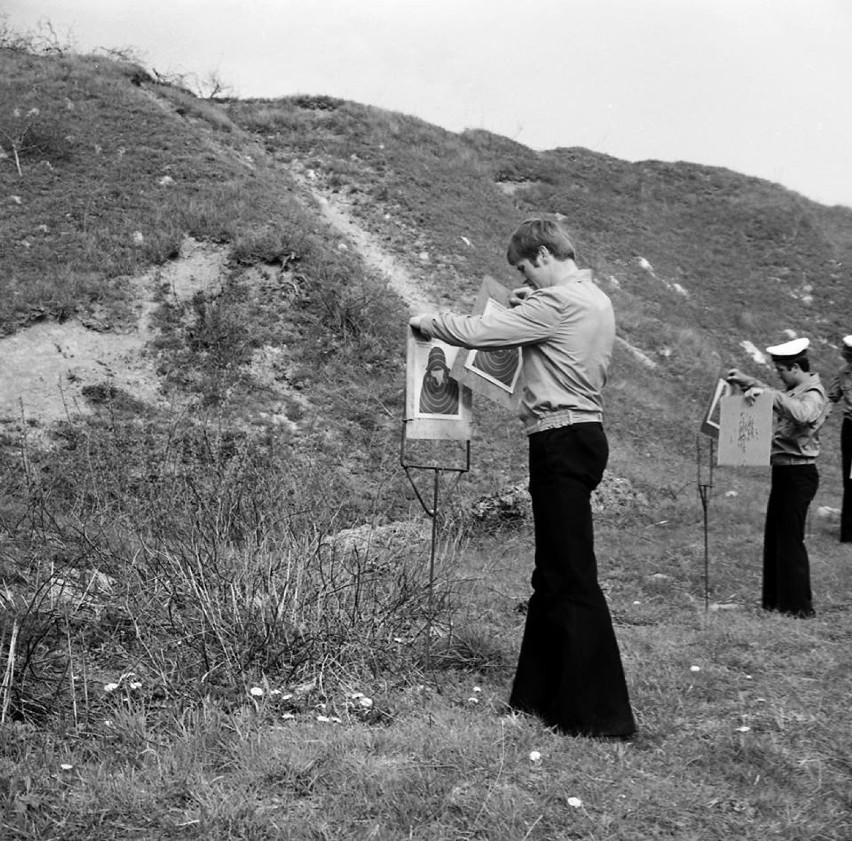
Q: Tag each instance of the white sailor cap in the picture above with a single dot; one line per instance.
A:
(789, 351)
(847, 343)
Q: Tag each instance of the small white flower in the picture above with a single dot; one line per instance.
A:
(473, 700)
(110, 687)
(324, 718)
(256, 691)
(365, 703)
(356, 695)
(637, 602)
(66, 766)
(744, 729)
(274, 691)
(137, 684)
(748, 677)
(477, 689)
(575, 802)
(335, 720)
(695, 668)
(287, 716)
(287, 696)
(535, 757)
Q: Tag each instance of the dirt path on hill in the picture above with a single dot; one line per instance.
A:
(46, 367)
(399, 279)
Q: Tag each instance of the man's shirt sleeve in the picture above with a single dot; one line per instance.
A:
(531, 322)
(804, 409)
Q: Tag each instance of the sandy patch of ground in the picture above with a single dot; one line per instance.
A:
(46, 367)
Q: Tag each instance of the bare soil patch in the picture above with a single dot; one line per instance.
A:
(47, 366)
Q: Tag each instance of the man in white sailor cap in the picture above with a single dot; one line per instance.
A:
(799, 410)
(840, 391)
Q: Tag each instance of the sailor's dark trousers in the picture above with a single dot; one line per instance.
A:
(786, 568)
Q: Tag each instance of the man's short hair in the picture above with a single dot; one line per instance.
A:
(535, 233)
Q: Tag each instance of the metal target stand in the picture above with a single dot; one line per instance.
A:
(705, 487)
(432, 512)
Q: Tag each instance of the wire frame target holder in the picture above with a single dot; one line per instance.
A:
(705, 448)
(431, 504)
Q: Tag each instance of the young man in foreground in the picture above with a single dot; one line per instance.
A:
(569, 670)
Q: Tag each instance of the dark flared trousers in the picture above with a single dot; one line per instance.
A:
(786, 569)
(846, 458)
(569, 669)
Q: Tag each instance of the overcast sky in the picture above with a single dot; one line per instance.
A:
(759, 86)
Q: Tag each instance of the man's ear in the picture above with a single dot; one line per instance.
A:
(544, 254)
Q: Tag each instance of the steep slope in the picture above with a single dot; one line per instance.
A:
(280, 341)
(703, 264)
(335, 218)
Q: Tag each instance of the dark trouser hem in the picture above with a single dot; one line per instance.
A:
(612, 730)
(624, 733)
(623, 730)
(796, 614)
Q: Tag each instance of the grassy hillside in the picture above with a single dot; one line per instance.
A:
(216, 618)
(731, 258)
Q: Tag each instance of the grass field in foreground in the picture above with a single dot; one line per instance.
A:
(743, 716)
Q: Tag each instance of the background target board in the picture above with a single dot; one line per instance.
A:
(492, 373)
(745, 430)
(500, 367)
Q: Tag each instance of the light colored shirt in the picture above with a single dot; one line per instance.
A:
(841, 390)
(567, 334)
(798, 415)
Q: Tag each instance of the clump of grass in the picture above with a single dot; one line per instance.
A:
(188, 105)
(199, 567)
(470, 650)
